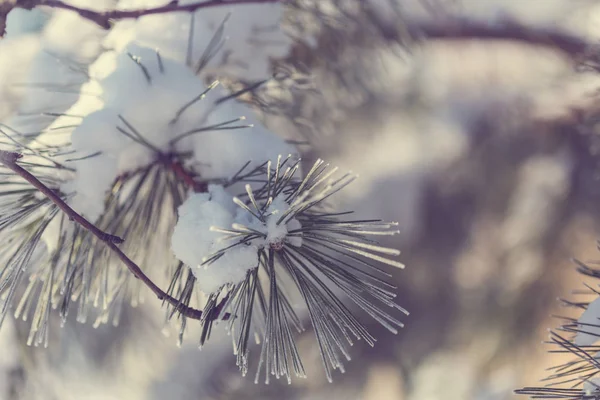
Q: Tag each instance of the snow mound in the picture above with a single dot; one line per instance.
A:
(199, 235)
(147, 106)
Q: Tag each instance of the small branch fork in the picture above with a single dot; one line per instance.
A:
(9, 159)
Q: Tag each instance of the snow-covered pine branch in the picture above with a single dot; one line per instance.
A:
(156, 177)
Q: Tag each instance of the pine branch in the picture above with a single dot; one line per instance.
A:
(9, 159)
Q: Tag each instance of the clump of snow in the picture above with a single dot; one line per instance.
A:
(144, 104)
(67, 44)
(589, 324)
(17, 54)
(168, 33)
(277, 233)
(141, 114)
(195, 238)
(193, 241)
(223, 152)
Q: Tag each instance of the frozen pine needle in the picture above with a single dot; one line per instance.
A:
(578, 377)
(119, 168)
(251, 249)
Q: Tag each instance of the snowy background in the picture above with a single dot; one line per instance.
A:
(470, 145)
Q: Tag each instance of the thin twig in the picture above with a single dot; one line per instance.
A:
(9, 159)
(104, 18)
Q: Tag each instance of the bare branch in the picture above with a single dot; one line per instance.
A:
(462, 29)
(9, 159)
(104, 18)
(454, 28)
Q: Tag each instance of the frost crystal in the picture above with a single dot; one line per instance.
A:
(152, 107)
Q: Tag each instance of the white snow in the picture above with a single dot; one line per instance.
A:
(17, 53)
(277, 233)
(152, 96)
(591, 319)
(223, 152)
(136, 97)
(67, 44)
(194, 241)
(252, 35)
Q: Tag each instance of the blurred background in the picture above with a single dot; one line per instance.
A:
(471, 122)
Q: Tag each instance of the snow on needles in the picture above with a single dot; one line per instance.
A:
(141, 98)
(201, 231)
(152, 105)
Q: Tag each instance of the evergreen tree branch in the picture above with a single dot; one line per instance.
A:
(9, 159)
